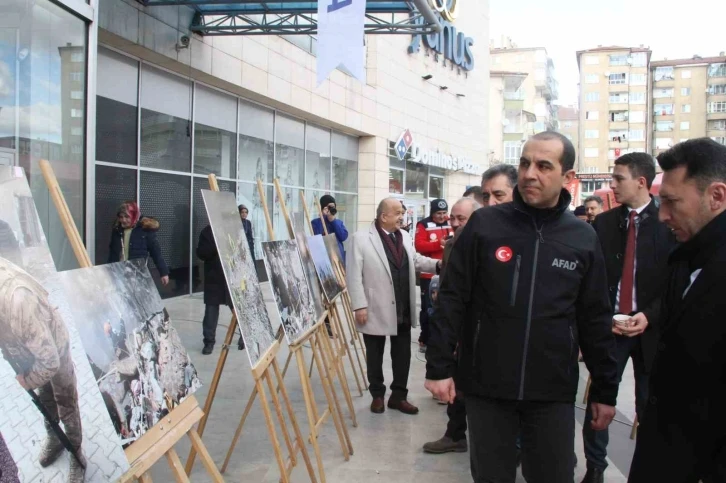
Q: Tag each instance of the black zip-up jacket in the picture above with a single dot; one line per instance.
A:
(522, 287)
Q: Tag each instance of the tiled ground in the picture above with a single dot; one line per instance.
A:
(387, 447)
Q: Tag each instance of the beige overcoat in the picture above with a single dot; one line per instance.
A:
(370, 284)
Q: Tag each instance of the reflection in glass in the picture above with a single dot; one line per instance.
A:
(292, 205)
(247, 195)
(395, 181)
(199, 221)
(345, 163)
(42, 110)
(113, 187)
(318, 158)
(166, 197)
(347, 210)
(256, 150)
(416, 180)
(166, 138)
(436, 187)
(289, 150)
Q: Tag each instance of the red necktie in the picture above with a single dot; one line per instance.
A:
(626, 281)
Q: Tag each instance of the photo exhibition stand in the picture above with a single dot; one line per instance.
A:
(158, 441)
(336, 320)
(261, 373)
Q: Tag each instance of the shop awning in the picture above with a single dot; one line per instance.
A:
(244, 17)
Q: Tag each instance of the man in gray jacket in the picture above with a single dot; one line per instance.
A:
(384, 253)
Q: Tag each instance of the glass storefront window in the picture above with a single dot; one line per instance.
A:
(436, 187)
(416, 180)
(42, 62)
(345, 163)
(347, 210)
(116, 108)
(215, 128)
(318, 158)
(395, 181)
(166, 138)
(113, 187)
(292, 205)
(256, 149)
(289, 150)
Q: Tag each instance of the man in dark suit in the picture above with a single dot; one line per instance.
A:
(636, 247)
(683, 433)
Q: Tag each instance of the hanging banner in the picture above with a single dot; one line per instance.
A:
(574, 188)
(340, 37)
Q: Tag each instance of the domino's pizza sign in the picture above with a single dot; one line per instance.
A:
(435, 158)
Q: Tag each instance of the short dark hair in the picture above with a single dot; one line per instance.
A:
(595, 198)
(500, 169)
(704, 159)
(639, 164)
(568, 150)
(473, 190)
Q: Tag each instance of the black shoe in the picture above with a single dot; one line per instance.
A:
(241, 345)
(594, 475)
(208, 348)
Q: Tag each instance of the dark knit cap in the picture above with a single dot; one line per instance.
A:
(439, 205)
(325, 200)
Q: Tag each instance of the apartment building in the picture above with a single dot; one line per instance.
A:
(569, 120)
(509, 123)
(539, 89)
(614, 108)
(689, 100)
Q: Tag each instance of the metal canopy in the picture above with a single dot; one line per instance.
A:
(286, 17)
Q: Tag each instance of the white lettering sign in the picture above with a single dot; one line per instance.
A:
(441, 160)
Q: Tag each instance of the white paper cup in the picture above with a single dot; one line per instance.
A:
(621, 320)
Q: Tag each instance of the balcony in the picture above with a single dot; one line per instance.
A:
(617, 144)
(715, 116)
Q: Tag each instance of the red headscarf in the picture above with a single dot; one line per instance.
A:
(131, 208)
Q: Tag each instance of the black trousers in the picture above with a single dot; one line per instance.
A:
(548, 440)
(209, 324)
(400, 359)
(456, 427)
(596, 442)
(423, 316)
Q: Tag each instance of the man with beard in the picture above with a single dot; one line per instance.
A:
(35, 342)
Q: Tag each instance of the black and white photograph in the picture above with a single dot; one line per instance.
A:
(293, 297)
(331, 245)
(239, 270)
(53, 419)
(137, 357)
(310, 274)
(324, 268)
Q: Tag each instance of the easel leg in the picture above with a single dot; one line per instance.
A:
(351, 320)
(146, 478)
(634, 431)
(295, 426)
(324, 361)
(229, 337)
(340, 369)
(271, 429)
(355, 343)
(238, 433)
(587, 390)
(312, 419)
(280, 417)
(207, 460)
(177, 468)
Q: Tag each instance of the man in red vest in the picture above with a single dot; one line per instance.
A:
(431, 236)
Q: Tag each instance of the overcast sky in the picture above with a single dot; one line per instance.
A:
(563, 27)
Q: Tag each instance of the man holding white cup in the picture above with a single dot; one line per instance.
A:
(636, 247)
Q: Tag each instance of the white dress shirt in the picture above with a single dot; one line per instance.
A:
(694, 276)
(635, 261)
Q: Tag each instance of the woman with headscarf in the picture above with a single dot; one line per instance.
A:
(134, 236)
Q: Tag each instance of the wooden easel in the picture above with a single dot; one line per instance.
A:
(633, 430)
(261, 372)
(355, 339)
(160, 439)
(317, 339)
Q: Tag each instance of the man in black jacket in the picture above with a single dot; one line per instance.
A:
(682, 437)
(519, 337)
(636, 248)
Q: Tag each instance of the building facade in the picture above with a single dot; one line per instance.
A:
(569, 120)
(689, 100)
(124, 110)
(509, 124)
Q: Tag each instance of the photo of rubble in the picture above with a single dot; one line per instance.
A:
(310, 274)
(239, 270)
(137, 357)
(326, 272)
(50, 406)
(293, 297)
(331, 245)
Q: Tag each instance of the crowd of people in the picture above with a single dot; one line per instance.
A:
(526, 287)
